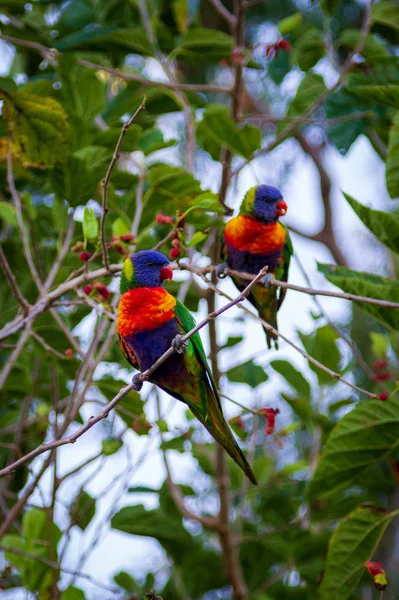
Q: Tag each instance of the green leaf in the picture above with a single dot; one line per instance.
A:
(372, 50)
(198, 237)
(176, 443)
(73, 593)
(248, 373)
(232, 340)
(82, 92)
(392, 166)
(309, 49)
(77, 16)
(384, 225)
(293, 377)
(385, 13)
(369, 285)
(109, 138)
(8, 213)
(181, 14)
(217, 128)
(309, 90)
(330, 6)
(84, 509)
(126, 581)
(342, 104)
(90, 225)
(200, 44)
(111, 446)
(130, 40)
(352, 544)
(152, 140)
(379, 344)
(290, 23)
(361, 438)
(38, 127)
(77, 179)
(379, 85)
(119, 227)
(7, 83)
(323, 347)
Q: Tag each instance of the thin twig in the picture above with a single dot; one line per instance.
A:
(230, 19)
(63, 252)
(14, 356)
(5, 267)
(105, 182)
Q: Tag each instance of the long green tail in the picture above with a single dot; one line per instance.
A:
(218, 428)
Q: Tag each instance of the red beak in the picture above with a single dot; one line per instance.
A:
(166, 273)
(281, 208)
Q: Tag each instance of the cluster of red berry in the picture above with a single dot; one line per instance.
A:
(272, 50)
(380, 367)
(270, 414)
(97, 289)
(177, 246)
(378, 574)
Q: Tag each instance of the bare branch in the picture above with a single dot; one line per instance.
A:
(230, 19)
(106, 179)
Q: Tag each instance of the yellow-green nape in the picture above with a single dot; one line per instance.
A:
(247, 204)
(128, 269)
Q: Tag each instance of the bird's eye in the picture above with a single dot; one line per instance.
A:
(150, 264)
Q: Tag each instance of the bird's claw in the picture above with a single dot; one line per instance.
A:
(178, 344)
(267, 280)
(137, 382)
(220, 270)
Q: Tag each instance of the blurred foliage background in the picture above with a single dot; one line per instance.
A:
(233, 90)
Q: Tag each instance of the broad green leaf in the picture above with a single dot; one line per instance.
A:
(181, 14)
(369, 285)
(8, 213)
(392, 165)
(73, 593)
(342, 104)
(322, 345)
(232, 340)
(218, 129)
(109, 138)
(126, 581)
(176, 443)
(119, 227)
(290, 23)
(38, 127)
(133, 40)
(111, 446)
(309, 90)
(352, 544)
(379, 344)
(381, 94)
(384, 225)
(82, 92)
(248, 373)
(84, 510)
(372, 50)
(361, 438)
(386, 13)
(77, 15)
(7, 83)
(77, 179)
(379, 85)
(293, 377)
(152, 140)
(199, 44)
(198, 237)
(130, 407)
(90, 225)
(309, 49)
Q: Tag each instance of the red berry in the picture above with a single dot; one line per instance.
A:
(284, 45)
(237, 56)
(383, 397)
(383, 376)
(68, 352)
(270, 414)
(115, 238)
(120, 249)
(174, 253)
(378, 365)
(163, 219)
(85, 255)
(127, 237)
(102, 289)
(374, 568)
(181, 221)
(87, 289)
(176, 243)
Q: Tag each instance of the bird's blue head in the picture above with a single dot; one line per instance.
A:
(147, 268)
(263, 202)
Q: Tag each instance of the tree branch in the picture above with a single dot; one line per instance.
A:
(5, 267)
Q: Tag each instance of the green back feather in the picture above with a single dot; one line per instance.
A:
(247, 205)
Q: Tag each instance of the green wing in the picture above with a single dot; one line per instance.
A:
(282, 273)
(187, 322)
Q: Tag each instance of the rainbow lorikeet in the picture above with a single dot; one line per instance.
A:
(150, 320)
(255, 239)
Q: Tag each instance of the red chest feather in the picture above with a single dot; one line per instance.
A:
(249, 235)
(144, 309)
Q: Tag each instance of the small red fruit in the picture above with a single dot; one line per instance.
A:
(383, 376)
(270, 414)
(284, 45)
(68, 352)
(120, 249)
(85, 255)
(163, 219)
(176, 243)
(378, 365)
(127, 237)
(102, 289)
(87, 289)
(374, 568)
(383, 397)
(174, 253)
(181, 220)
(115, 238)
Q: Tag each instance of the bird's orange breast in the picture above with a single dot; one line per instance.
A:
(143, 309)
(249, 235)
